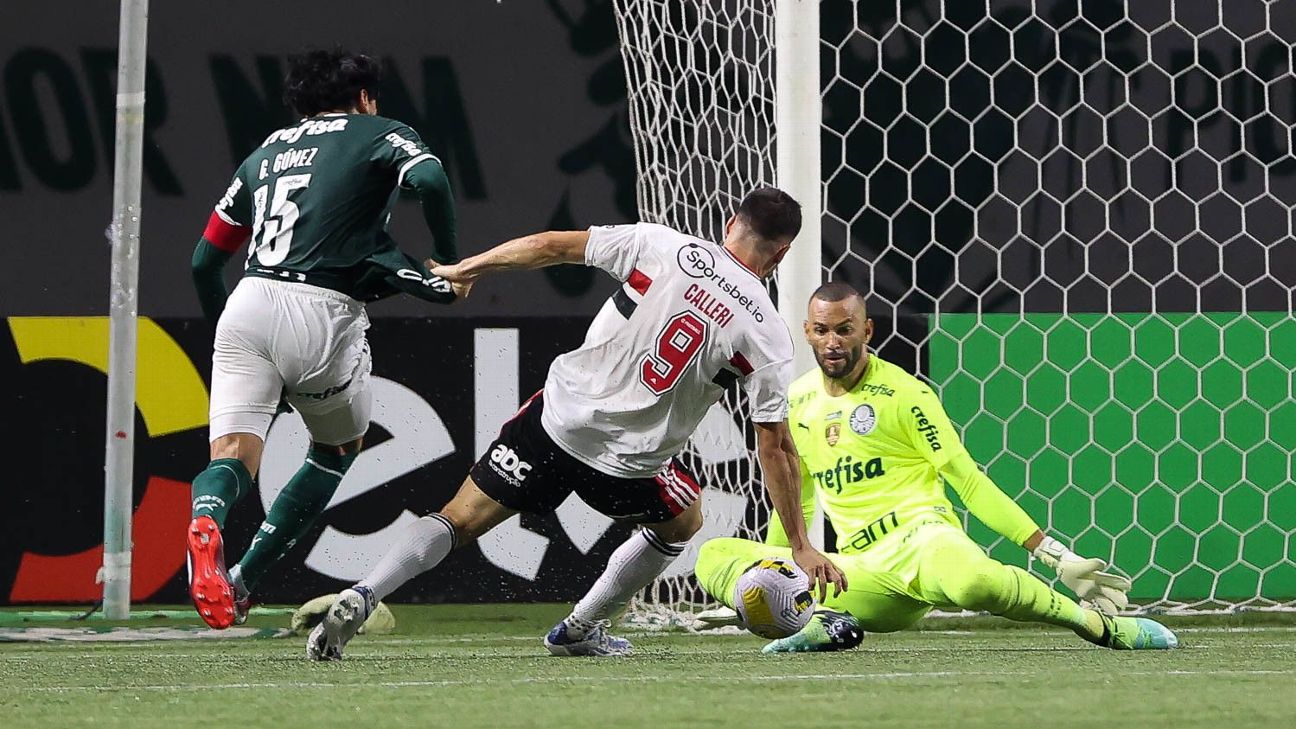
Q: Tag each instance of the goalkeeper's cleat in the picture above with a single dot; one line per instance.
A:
(209, 583)
(1136, 634)
(720, 617)
(597, 642)
(340, 624)
(827, 631)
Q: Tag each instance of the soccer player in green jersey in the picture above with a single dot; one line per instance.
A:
(877, 447)
(313, 200)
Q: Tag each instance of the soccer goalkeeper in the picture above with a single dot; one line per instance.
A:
(877, 447)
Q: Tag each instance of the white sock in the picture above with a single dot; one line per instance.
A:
(423, 545)
(632, 566)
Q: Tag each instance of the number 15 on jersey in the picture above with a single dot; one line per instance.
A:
(272, 228)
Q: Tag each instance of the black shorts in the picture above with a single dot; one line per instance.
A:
(526, 471)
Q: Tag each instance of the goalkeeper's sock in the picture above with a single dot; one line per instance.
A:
(632, 566)
(984, 585)
(218, 488)
(1032, 600)
(294, 511)
(423, 545)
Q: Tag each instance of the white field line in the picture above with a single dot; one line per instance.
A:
(1253, 629)
(159, 645)
(367, 685)
(495, 654)
(10, 652)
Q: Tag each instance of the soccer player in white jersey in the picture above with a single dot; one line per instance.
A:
(690, 319)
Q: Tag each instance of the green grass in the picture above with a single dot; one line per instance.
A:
(483, 666)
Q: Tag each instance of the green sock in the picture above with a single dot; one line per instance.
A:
(293, 512)
(1032, 600)
(955, 571)
(219, 487)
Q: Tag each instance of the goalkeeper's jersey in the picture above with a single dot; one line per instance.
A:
(874, 453)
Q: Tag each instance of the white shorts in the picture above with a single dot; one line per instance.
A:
(277, 338)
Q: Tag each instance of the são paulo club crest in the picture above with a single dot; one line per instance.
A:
(863, 419)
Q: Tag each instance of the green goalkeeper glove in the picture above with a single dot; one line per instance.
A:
(1106, 591)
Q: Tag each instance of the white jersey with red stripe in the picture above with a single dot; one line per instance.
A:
(688, 320)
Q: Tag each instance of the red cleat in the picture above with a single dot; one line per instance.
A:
(209, 582)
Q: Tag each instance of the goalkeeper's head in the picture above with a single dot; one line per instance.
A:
(320, 82)
(762, 229)
(838, 330)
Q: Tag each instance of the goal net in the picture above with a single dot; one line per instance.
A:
(1075, 219)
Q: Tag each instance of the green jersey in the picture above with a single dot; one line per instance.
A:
(317, 196)
(879, 456)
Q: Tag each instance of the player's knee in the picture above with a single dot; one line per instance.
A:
(711, 548)
(978, 588)
(682, 527)
(333, 459)
(349, 448)
(468, 526)
(473, 513)
(691, 522)
(244, 447)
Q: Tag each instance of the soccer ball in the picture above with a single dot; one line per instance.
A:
(773, 598)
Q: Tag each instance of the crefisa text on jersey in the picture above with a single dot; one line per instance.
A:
(308, 127)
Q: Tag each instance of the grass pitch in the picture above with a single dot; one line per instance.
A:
(483, 666)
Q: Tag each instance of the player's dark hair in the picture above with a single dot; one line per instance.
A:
(835, 291)
(320, 81)
(771, 213)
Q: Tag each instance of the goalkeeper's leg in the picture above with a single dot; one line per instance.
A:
(954, 570)
(874, 603)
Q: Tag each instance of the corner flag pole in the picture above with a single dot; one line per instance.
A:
(123, 297)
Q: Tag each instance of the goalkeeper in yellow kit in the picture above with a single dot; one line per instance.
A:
(877, 447)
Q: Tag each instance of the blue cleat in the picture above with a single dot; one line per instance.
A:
(1136, 634)
(596, 642)
(826, 631)
(340, 624)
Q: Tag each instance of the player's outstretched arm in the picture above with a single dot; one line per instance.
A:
(987, 502)
(781, 466)
(532, 251)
